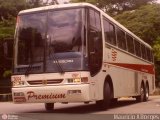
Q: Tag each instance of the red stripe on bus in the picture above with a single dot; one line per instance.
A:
(137, 67)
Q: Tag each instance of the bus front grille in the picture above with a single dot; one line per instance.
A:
(45, 82)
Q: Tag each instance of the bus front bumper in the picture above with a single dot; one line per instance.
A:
(51, 94)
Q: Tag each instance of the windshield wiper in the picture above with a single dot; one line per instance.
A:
(56, 60)
(58, 64)
(29, 68)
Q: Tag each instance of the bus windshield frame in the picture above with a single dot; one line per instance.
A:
(46, 38)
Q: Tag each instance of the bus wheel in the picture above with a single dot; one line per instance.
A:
(104, 104)
(141, 97)
(49, 106)
(146, 93)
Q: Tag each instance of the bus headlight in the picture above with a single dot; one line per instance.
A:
(74, 80)
(78, 80)
(17, 83)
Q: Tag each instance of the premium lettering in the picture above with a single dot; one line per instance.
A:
(32, 95)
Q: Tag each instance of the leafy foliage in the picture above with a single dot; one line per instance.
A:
(38, 3)
(8, 12)
(7, 28)
(156, 48)
(114, 7)
(34, 3)
(10, 8)
(144, 22)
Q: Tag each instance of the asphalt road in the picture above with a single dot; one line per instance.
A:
(123, 106)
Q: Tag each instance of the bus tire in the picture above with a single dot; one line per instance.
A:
(49, 106)
(146, 93)
(141, 97)
(104, 104)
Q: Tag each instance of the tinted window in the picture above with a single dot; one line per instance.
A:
(151, 54)
(143, 49)
(137, 48)
(94, 42)
(64, 31)
(148, 54)
(121, 41)
(109, 31)
(95, 20)
(31, 37)
(130, 44)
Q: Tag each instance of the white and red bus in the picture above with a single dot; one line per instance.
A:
(77, 53)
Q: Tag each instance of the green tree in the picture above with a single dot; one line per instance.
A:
(114, 7)
(38, 3)
(34, 3)
(144, 22)
(8, 12)
(7, 28)
(10, 8)
(156, 48)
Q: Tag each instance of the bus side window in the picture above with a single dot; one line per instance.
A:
(143, 51)
(95, 41)
(137, 48)
(95, 34)
(148, 54)
(130, 44)
(151, 55)
(95, 22)
(109, 31)
(121, 40)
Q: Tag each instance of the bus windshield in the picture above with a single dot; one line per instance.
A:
(48, 38)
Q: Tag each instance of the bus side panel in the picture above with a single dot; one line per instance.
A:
(126, 72)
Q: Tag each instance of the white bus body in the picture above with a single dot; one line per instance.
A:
(105, 69)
